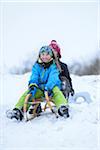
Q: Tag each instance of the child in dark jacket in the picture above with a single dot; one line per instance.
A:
(44, 78)
(63, 68)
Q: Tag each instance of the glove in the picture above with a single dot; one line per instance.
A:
(48, 91)
(72, 92)
(32, 86)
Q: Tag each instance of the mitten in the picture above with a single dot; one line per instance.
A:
(72, 92)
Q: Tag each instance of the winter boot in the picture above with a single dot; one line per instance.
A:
(63, 111)
(15, 113)
(38, 109)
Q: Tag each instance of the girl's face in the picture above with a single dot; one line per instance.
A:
(45, 57)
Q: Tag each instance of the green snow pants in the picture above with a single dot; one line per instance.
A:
(58, 98)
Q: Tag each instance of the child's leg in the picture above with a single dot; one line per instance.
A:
(58, 97)
(38, 94)
(20, 102)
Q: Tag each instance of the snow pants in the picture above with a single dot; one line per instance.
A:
(58, 98)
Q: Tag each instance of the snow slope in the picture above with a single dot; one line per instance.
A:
(79, 132)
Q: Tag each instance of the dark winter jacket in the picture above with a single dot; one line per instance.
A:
(65, 72)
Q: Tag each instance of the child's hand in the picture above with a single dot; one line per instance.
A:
(32, 86)
(72, 92)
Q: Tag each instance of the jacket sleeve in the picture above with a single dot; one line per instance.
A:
(53, 79)
(34, 75)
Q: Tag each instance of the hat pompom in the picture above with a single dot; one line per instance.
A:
(56, 47)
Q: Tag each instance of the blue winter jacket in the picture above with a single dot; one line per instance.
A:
(45, 78)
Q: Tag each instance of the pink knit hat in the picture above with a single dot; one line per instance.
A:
(56, 47)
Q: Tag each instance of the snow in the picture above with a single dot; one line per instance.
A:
(79, 132)
(25, 27)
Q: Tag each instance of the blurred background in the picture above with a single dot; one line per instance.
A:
(27, 26)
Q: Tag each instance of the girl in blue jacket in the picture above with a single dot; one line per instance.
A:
(45, 77)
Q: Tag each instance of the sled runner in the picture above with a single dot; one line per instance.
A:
(34, 105)
(34, 110)
(66, 88)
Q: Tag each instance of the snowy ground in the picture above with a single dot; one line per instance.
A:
(80, 132)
